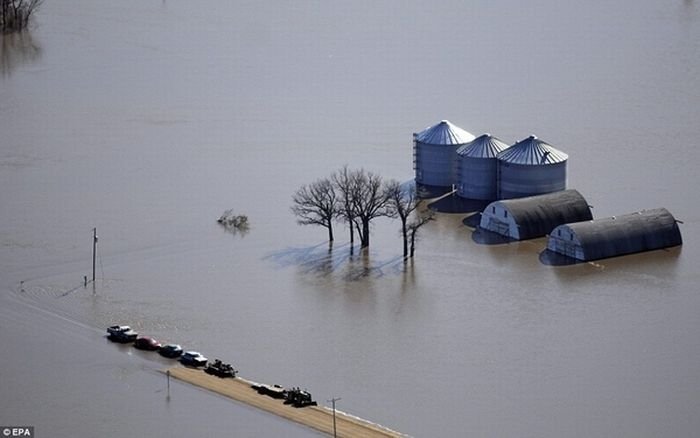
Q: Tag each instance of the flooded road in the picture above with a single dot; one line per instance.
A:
(148, 120)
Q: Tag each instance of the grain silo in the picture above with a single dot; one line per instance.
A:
(530, 167)
(534, 216)
(645, 230)
(435, 156)
(477, 168)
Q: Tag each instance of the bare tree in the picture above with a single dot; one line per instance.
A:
(316, 204)
(369, 201)
(421, 219)
(343, 182)
(15, 14)
(401, 202)
(356, 196)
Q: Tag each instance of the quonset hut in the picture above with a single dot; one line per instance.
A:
(477, 168)
(645, 230)
(434, 155)
(534, 216)
(530, 167)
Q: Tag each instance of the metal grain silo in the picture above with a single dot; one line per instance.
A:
(435, 154)
(530, 167)
(477, 168)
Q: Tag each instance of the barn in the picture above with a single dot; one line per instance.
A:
(534, 216)
(644, 230)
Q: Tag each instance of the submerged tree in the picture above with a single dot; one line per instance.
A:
(369, 201)
(421, 219)
(15, 14)
(342, 180)
(234, 223)
(316, 204)
(401, 202)
(356, 197)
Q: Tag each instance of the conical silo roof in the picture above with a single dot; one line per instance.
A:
(532, 151)
(484, 146)
(444, 133)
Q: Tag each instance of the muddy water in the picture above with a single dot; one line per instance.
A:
(148, 120)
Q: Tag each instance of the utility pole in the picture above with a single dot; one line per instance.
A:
(333, 400)
(94, 250)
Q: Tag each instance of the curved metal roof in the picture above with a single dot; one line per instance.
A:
(444, 133)
(538, 215)
(532, 151)
(644, 230)
(484, 146)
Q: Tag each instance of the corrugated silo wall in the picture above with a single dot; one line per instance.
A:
(517, 181)
(477, 177)
(435, 164)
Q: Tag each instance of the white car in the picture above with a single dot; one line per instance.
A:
(113, 330)
(193, 358)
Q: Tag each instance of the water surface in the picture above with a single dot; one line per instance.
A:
(147, 120)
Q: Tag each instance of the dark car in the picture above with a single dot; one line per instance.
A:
(147, 343)
(170, 350)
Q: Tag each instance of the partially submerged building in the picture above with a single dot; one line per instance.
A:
(530, 167)
(477, 168)
(645, 230)
(435, 154)
(534, 216)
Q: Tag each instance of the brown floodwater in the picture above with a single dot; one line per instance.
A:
(148, 120)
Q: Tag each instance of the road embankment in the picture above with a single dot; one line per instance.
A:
(316, 417)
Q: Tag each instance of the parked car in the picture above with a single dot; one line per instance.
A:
(193, 358)
(122, 334)
(170, 350)
(146, 343)
(117, 329)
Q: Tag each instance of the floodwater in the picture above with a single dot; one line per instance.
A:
(148, 119)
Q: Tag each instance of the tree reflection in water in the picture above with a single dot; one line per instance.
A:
(327, 259)
(17, 48)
